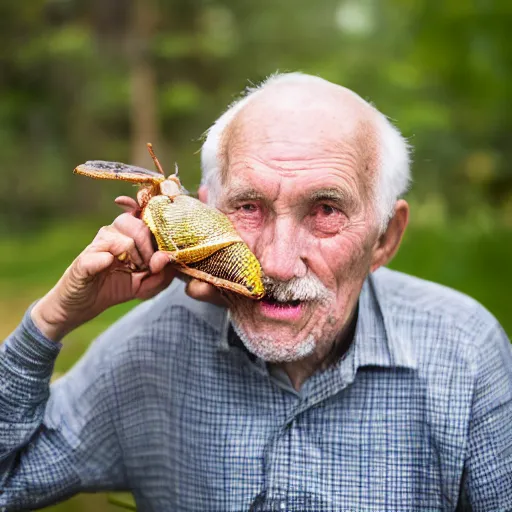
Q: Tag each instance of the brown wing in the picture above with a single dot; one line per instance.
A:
(101, 170)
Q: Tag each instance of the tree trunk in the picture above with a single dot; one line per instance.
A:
(143, 115)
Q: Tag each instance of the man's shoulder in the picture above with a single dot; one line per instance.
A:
(171, 306)
(157, 327)
(437, 306)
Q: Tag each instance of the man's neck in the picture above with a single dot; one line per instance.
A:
(300, 371)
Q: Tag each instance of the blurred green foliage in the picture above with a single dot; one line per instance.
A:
(95, 79)
(70, 69)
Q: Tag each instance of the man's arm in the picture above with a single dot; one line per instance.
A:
(489, 462)
(53, 445)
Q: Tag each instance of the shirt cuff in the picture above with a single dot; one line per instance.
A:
(28, 352)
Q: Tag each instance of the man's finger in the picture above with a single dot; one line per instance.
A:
(155, 283)
(128, 204)
(158, 261)
(136, 229)
(205, 292)
(92, 264)
(110, 240)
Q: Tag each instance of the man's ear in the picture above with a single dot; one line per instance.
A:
(202, 194)
(389, 241)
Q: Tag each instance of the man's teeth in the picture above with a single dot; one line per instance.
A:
(282, 303)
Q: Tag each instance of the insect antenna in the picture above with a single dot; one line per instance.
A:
(155, 159)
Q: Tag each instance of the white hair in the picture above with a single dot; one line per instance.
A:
(393, 174)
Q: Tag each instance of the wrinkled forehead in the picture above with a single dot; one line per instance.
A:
(290, 125)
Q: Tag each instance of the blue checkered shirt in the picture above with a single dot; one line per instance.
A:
(416, 416)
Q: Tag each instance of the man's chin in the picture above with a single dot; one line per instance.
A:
(280, 347)
(277, 332)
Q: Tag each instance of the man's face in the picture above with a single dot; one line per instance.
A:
(298, 191)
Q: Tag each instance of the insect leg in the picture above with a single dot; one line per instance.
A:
(155, 159)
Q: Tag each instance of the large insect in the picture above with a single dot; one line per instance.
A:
(199, 239)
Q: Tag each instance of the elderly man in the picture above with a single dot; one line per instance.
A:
(347, 388)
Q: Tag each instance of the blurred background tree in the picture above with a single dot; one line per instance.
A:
(97, 79)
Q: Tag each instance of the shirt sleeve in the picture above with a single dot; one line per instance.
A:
(54, 441)
(489, 463)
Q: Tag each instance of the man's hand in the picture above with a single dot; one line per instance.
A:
(97, 279)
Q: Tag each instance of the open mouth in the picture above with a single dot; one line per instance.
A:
(281, 304)
(287, 311)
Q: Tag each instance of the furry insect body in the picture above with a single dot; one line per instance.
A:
(199, 239)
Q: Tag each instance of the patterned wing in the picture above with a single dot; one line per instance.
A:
(101, 170)
(234, 265)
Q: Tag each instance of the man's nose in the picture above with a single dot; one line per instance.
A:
(280, 251)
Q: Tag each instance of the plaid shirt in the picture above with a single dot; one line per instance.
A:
(416, 416)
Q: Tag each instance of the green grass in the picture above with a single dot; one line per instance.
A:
(474, 262)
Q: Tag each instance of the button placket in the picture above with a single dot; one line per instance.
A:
(276, 456)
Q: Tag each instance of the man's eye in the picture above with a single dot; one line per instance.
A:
(327, 220)
(248, 215)
(248, 208)
(327, 209)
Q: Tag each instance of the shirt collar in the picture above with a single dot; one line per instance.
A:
(224, 343)
(377, 341)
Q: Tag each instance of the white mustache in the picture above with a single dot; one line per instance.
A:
(304, 288)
